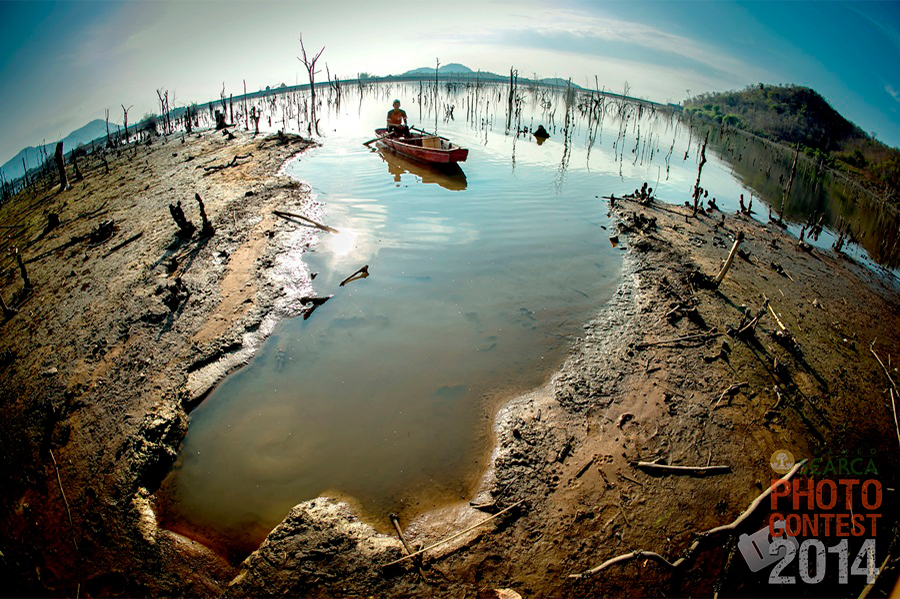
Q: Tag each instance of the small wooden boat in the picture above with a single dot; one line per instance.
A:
(424, 147)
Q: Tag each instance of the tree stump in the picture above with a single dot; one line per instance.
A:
(61, 167)
(185, 227)
(207, 229)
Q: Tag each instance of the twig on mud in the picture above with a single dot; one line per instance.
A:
(65, 501)
(893, 385)
(692, 470)
(584, 468)
(631, 480)
(703, 336)
(727, 528)
(729, 392)
(290, 215)
(395, 519)
(452, 537)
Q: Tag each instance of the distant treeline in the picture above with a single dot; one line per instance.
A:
(793, 114)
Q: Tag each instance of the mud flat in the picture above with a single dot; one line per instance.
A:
(126, 328)
(116, 343)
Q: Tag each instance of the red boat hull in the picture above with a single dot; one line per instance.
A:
(416, 147)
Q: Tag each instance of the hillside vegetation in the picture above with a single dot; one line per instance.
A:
(793, 114)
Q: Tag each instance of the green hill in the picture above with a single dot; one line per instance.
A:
(793, 114)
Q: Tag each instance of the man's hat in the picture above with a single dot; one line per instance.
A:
(396, 101)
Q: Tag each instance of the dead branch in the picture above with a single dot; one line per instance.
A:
(894, 408)
(693, 470)
(734, 248)
(872, 349)
(233, 163)
(727, 528)
(700, 336)
(362, 273)
(25, 280)
(395, 519)
(455, 536)
(729, 392)
(66, 501)
(290, 215)
(777, 320)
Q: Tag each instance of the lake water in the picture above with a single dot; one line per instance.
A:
(479, 281)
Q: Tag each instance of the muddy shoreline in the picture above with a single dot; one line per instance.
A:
(113, 348)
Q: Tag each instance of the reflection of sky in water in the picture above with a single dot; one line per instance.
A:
(478, 283)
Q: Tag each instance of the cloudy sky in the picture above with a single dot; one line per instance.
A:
(64, 63)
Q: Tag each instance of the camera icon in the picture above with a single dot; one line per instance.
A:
(757, 548)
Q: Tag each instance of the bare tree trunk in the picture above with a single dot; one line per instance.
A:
(125, 110)
(311, 69)
(108, 142)
(697, 188)
(25, 280)
(246, 116)
(787, 190)
(78, 175)
(61, 167)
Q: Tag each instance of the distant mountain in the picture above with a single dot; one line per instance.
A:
(454, 68)
(13, 168)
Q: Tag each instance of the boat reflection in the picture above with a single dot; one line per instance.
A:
(449, 176)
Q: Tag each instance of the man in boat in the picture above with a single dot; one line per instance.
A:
(396, 121)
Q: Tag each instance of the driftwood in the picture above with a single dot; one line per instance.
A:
(704, 536)
(314, 302)
(455, 536)
(290, 215)
(692, 470)
(362, 273)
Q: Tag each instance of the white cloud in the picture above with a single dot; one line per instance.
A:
(894, 93)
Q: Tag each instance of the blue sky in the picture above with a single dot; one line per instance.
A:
(64, 63)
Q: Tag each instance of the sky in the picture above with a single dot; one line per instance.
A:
(64, 64)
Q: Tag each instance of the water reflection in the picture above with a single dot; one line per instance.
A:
(450, 176)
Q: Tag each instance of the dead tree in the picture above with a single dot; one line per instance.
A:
(699, 171)
(125, 110)
(207, 229)
(787, 190)
(311, 69)
(61, 167)
(185, 227)
(108, 141)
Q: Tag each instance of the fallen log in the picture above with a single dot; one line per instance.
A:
(395, 520)
(455, 536)
(290, 215)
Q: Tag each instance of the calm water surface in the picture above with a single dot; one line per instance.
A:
(480, 279)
